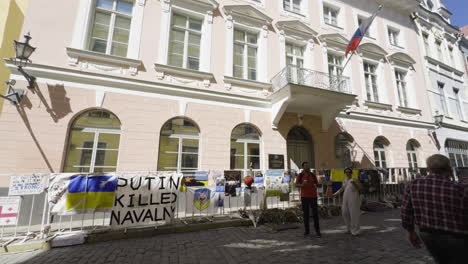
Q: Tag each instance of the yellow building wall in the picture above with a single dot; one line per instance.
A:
(11, 21)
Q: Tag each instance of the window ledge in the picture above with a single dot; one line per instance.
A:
(396, 46)
(378, 105)
(408, 110)
(444, 65)
(229, 81)
(162, 69)
(333, 26)
(289, 12)
(76, 55)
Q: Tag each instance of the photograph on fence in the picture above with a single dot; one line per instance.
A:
(233, 181)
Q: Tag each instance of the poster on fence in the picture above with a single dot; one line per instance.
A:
(274, 183)
(71, 193)
(9, 209)
(143, 198)
(26, 184)
(233, 182)
(196, 178)
(259, 180)
(202, 200)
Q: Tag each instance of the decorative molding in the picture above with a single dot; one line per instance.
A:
(246, 83)
(201, 78)
(408, 110)
(378, 105)
(103, 62)
(247, 115)
(264, 32)
(209, 17)
(166, 6)
(182, 108)
(141, 2)
(229, 21)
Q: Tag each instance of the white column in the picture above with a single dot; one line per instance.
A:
(262, 63)
(282, 49)
(308, 54)
(81, 28)
(135, 30)
(165, 32)
(229, 46)
(206, 41)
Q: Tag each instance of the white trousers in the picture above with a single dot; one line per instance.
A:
(351, 212)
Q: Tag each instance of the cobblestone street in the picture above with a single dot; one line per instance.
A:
(382, 241)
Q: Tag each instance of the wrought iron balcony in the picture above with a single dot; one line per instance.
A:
(292, 74)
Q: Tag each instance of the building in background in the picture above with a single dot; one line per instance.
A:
(195, 85)
(446, 77)
(11, 22)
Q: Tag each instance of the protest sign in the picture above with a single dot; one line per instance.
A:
(145, 198)
(26, 184)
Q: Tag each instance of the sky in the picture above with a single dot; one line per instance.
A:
(459, 8)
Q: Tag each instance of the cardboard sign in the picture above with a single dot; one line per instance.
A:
(9, 208)
(26, 184)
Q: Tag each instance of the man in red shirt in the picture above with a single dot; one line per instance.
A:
(439, 206)
(307, 181)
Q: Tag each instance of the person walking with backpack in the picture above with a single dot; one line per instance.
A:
(307, 182)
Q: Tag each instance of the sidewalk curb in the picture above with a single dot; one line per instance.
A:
(37, 245)
(164, 230)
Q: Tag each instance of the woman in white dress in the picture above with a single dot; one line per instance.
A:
(351, 207)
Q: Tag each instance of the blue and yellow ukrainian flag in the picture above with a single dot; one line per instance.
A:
(91, 192)
(338, 176)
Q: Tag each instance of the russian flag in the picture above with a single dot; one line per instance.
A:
(360, 32)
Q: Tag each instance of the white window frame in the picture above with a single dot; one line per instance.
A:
(427, 44)
(84, 23)
(187, 31)
(379, 159)
(439, 50)
(394, 36)
(295, 57)
(291, 5)
(331, 8)
(180, 152)
(246, 156)
(458, 102)
(185, 8)
(402, 87)
(413, 157)
(334, 65)
(245, 57)
(442, 98)
(376, 74)
(371, 32)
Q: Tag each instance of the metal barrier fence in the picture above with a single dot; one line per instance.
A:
(34, 214)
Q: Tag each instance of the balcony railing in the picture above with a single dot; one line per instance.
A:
(292, 74)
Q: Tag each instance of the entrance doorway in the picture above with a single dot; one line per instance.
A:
(300, 148)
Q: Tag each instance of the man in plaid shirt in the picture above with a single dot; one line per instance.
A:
(439, 207)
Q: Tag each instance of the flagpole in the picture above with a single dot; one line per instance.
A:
(347, 61)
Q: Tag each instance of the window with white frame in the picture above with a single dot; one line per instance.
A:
(379, 153)
(245, 148)
(452, 60)
(93, 144)
(442, 100)
(458, 104)
(394, 36)
(400, 77)
(111, 27)
(330, 15)
(294, 55)
(184, 47)
(439, 50)
(429, 4)
(458, 152)
(411, 153)
(370, 76)
(292, 5)
(426, 44)
(178, 147)
(245, 55)
(360, 20)
(335, 64)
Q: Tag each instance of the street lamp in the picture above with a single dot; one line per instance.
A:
(438, 119)
(23, 52)
(14, 95)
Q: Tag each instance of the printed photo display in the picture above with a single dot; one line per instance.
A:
(233, 181)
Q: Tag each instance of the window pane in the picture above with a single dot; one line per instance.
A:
(121, 35)
(238, 162)
(176, 60)
(106, 158)
(239, 35)
(169, 144)
(254, 162)
(195, 24)
(102, 18)
(124, 7)
(109, 141)
(253, 149)
(179, 21)
(98, 45)
(252, 74)
(194, 39)
(193, 63)
(237, 148)
(177, 36)
(238, 72)
(251, 38)
(190, 145)
(252, 62)
(76, 155)
(297, 6)
(123, 23)
(189, 161)
(119, 49)
(167, 161)
(107, 4)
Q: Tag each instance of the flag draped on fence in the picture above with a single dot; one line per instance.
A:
(361, 32)
(202, 200)
(71, 193)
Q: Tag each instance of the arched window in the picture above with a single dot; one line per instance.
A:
(93, 144)
(245, 148)
(343, 150)
(178, 146)
(380, 158)
(429, 4)
(411, 151)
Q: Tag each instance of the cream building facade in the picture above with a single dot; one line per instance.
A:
(203, 84)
